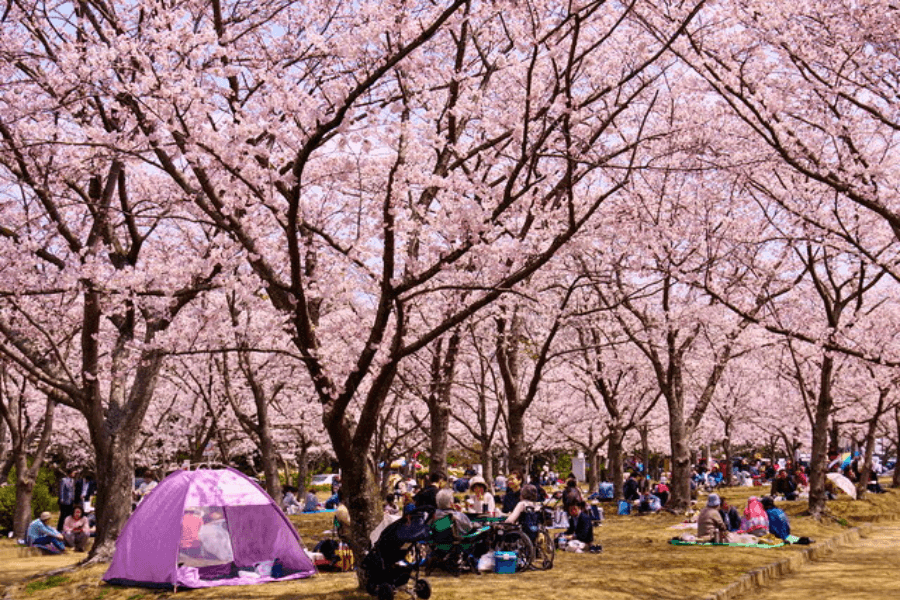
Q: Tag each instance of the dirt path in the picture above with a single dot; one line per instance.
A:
(869, 569)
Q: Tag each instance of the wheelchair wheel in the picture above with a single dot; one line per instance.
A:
(422, 589)
(385, 592)
(544, 550)
(516, 541)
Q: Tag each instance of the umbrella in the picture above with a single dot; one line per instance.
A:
(843, 484)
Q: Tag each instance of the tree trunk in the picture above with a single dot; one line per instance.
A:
(895, 480)
(487, 466)
(820, 441)
(680, 485)
(24, 490)
(616, 461)
(302, 467)
(269, 457)
(115, 483)
(359, 487)
(644, 432)
(440, 429)
(516, 439)
(594, 475)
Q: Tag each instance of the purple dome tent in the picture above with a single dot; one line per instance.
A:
(207, 528)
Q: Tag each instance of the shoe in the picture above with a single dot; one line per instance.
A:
(596, 549)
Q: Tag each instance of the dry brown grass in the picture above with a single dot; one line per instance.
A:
(636, 562)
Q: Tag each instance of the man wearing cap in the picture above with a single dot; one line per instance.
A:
(41, 535)
(710, 526)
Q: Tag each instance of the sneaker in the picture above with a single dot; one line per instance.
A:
(596, 549)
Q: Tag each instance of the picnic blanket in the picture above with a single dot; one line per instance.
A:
(678, 542)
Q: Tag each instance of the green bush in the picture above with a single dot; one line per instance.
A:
(41, 498)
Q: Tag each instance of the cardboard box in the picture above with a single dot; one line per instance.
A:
(505, 562)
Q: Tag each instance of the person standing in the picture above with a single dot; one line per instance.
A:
(66, 497)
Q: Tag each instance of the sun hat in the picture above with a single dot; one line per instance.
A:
(713, 500)
(45, 516)
(477, 480)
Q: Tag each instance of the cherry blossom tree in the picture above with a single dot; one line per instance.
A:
(29, 439)
(372, 162)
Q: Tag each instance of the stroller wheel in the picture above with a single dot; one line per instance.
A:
(423, 589)
(385, 592)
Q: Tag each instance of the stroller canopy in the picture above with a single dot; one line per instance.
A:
(207, 528)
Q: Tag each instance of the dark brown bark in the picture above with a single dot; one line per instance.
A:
(615, 467)
(819, 454)
(895, 480)
(443, 369)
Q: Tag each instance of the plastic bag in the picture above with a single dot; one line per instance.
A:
(486, 562)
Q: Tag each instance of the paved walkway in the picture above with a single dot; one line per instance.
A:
(868, 569)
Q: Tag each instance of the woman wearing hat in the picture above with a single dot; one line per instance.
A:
(482, 500)
(710, 526)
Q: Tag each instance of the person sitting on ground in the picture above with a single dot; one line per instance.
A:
(426, 496)
(572, 494)
(649, 503)
(783, 485)
(77, 530)
(41, 535)
(148, 486)
(874, 486)
(754, 520)
(730, 515)
(461, 523)
(710, 525)
(311, 502)
(214, 537)
(661, 490)
(341, 517)
(513, 492)
(528, 499)
(605, 490)
(631, 490)
(482, 500)
(289, 501)
(390, 508)
(715, 477)
(779, 526)
(191, 522)
(580, 527)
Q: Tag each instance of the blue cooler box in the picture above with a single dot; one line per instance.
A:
(505, 562)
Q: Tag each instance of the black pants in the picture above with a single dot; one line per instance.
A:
(65, 510)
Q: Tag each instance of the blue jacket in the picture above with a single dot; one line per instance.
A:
(778, 523)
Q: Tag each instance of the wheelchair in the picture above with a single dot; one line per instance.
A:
(455, 553)
(534, 525)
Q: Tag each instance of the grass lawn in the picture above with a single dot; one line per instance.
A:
(637, 562)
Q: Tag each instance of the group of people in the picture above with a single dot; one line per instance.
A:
(719, 522)
(518, 499)
(74, 527)
(76, 533)
(292, 506)
(204, 534)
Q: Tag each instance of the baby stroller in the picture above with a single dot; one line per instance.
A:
(395, 558)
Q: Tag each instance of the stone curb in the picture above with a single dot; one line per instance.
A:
(762, 576)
